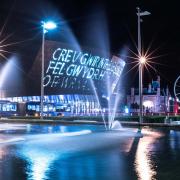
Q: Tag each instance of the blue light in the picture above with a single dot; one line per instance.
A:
(49, 25)
(126, 110)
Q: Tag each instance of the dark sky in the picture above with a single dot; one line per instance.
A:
(99, 24)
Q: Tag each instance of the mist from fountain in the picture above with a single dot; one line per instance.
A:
(98, 101)
(116, 125)
(98, 35)
(113, 95)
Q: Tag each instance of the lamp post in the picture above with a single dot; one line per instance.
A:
(45, 27)
(142, 61)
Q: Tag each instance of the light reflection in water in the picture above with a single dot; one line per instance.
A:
(175, 140)
(144, 165)
(3, 152)
(63, 129)
(39, 157)
(39, 162)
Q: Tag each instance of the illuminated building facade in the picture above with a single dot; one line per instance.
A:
(155, 99)
(75, 80)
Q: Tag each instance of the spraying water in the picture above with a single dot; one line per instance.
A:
(113, 96)
(98, 35)
(9, 70)
(5, 71)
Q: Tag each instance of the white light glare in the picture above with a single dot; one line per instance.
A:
(126, 110)
(142, 60)
(49, 25)
(148, 104)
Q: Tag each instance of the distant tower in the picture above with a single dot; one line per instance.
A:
(167, 91)
(167, 100)
(132, 95)
(158, 92)
(158, 80)
(149, 88)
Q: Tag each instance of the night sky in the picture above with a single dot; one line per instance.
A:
(114, 21)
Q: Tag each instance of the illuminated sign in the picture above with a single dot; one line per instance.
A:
(67, 69)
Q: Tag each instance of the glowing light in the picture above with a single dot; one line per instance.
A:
(83, 68)
(3, 44)
(148, 104)
(145, 58)
(126, 110)
(36, 114)
(49, 25)
(142, 60)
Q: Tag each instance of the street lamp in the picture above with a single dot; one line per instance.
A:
(49, 25)
(142, 61)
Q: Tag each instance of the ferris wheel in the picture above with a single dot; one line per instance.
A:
(177, 88)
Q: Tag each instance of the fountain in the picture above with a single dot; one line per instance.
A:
(112, 86)
(111, 79)
(10, 67)
(42, 151)
(116, 125)
(113, 94)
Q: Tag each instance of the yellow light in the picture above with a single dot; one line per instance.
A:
(142, 60)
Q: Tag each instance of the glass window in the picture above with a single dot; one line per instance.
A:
(29, 107)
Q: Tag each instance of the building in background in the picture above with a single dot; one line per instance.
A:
(76, 81)
(155, 99)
